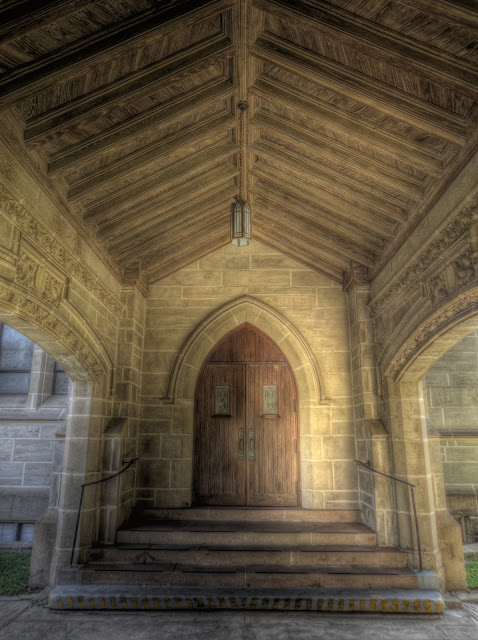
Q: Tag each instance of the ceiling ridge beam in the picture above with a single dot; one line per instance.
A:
(157, 273)
(458, 74)
(211, 155)
(382, 203)
(336, 151)
(315, 262)
(18, 18)
(164, 114)
(163, 242)
(304, 230)
(361, 88)
(408, 152)
(33, 77)
(135, 84)
(129, 229)
(145, 155)
(321, 199)
(323, 218)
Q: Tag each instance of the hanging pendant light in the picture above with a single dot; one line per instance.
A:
(241, 224)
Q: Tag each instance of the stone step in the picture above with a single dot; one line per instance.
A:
(135, 598)
(306, 576)
(246, 532)
(253, 513)
(287, 555)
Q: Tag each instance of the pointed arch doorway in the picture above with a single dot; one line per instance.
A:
(246, 444)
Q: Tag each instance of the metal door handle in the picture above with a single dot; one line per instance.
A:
(241, 444)
(252, 446)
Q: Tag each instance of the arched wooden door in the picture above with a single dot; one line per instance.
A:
(246, 451)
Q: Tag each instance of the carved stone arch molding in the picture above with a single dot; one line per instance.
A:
(68, 340)
(436, 335)
(206, 335)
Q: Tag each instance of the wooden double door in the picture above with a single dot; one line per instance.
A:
(246, 425)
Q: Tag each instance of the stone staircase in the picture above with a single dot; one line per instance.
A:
(249, 551)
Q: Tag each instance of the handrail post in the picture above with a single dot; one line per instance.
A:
(87, 484)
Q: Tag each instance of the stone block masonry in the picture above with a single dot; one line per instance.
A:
(315, 305)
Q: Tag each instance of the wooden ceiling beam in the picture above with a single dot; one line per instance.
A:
(185, 234)
(22, 16)
(30, 78)
(357, 86)
(367, 165)
(159, 116)
(265, 193)
(298, 228)
(142, 190)
(163, 269)
(460, 12)
(147, 154)
(322, 200)
(132, 86)
(370, 38)
(127, 228)
(315, 260)
(148, 211)
(342, 184)
(406, 151)
(147, 246)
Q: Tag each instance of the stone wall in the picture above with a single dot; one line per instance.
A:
(315, 306)
(451, 395)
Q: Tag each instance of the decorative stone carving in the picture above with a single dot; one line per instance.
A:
(459, 225)
(34, 230)
(40, 315)
(438, 288)
(35, 277)
(444, 317)
(464, 270)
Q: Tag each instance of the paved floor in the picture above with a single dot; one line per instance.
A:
(29, 619)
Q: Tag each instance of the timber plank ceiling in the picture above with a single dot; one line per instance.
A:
(360, 113)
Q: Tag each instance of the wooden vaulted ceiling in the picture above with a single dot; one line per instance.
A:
(360, 114)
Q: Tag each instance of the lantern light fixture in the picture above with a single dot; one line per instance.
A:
(241, 224)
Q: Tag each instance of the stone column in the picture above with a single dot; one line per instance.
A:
(372, 440)
(41, 378)
(440, 540)
(127, 389)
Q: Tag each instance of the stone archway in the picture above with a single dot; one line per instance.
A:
(416, 456)
(303, 362)
(80, 446)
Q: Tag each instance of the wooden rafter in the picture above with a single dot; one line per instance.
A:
(159, 116)
(366, 164)
(370, 38)
(135, 159)
(22, 16)
(131, 87)
(33, 77)
(407, 151)
(353, 84)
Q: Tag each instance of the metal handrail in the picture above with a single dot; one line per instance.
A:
(412, 487)
(87, 484)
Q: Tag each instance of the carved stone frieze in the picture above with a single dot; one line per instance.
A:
(438, 288)
(459, 225)
(40, 315)
(448, 314)
(34, 276)
(35, 231)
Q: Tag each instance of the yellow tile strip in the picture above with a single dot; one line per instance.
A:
(176, 602)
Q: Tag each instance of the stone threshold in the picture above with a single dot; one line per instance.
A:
(66, 598)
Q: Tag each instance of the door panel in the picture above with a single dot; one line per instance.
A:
(246, 425)
(220, 471)
(270, 413)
